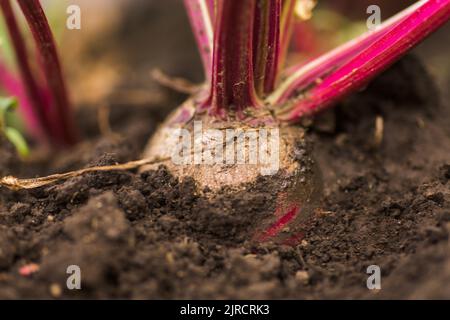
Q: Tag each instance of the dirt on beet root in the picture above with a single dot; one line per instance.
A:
(385, 203)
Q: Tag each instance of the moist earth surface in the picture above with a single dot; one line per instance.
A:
(385, 202)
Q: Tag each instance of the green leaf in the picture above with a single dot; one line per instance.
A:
(6, 105)
(16, 138)
(12, 134)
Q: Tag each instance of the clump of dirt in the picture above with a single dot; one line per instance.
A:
(151, 236)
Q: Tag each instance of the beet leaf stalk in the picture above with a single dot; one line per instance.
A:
(50, 101)
(201, 15)
(267, 45)
(389, 44)
(233, 87)
(239, 82)
(33, 92)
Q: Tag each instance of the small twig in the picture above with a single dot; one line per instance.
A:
(300, 259)
(104, 123)
(176, 84)
(16, 184)
(379, 131)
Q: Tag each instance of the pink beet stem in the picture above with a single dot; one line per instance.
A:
(303, 75)
(31, 96)
(212, 9)
(232, 81)
(200, 14)
(382, 53)
(267, 45)
(61, 113)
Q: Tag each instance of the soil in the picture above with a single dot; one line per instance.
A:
(148, 236)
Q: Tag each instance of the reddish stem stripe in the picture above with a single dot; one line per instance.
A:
(232, 82)
(273, 44)
(376, 58)
(281, 223)
(60, 113)
(266, 44)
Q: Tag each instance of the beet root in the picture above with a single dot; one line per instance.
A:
(233, 156)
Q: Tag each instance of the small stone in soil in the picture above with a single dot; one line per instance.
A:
(55, 290)
(302, 277)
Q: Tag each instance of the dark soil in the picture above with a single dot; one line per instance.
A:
(150, 236)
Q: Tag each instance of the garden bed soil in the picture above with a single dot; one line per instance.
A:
(149, 236)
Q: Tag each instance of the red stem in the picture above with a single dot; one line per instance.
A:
(286, 29)
(61, 114)
(212, 9)
(232, 82)
(301, 76)
(378, 57)
(200, 14)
